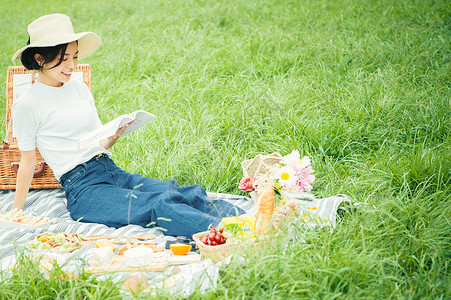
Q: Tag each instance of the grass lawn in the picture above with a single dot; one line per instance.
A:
(362, 87)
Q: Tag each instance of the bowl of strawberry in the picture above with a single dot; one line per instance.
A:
(214, 237)
(213, 244)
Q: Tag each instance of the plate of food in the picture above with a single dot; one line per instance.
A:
(55, 242)
(16, 218)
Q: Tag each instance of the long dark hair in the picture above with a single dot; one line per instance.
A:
(48, 53)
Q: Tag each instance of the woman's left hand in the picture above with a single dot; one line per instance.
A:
(109, 142)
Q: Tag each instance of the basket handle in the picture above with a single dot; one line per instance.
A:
(37, 173)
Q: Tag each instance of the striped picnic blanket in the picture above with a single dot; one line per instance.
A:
(52, 204)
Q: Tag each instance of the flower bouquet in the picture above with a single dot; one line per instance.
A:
(269, 177)
(266, 177)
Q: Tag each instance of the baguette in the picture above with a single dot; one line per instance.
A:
(265, 210)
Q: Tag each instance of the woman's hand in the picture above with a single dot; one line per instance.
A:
(109, 142)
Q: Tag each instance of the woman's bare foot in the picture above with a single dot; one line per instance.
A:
(286, 213)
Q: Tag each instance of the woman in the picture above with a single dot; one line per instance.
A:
(56, 112)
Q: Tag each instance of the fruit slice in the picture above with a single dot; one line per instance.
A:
(44, 238)
(100, 244)
(124, 248)
(180, 249)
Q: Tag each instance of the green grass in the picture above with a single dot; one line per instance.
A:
(363, 87)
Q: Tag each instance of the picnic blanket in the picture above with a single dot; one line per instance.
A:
(51, 203)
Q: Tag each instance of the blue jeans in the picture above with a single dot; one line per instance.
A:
(101, 192)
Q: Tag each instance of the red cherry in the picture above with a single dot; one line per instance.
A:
(213, 243)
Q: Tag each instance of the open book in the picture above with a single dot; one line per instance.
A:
(109, 129)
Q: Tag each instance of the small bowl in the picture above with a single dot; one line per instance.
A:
(182, 240)
(180, 249)
(138, 256)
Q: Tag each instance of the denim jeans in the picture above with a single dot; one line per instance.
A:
(101, 192)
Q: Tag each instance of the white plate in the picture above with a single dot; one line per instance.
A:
(57, 251)
(9, 224)
(59, 257)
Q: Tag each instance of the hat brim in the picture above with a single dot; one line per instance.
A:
(88, 42)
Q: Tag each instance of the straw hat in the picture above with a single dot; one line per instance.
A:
(56, 29)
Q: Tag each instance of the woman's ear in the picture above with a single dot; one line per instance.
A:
(39, 59)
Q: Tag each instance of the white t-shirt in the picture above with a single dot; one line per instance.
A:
(53, 119)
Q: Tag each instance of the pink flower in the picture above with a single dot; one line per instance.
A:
(305, 179)
(247, 184)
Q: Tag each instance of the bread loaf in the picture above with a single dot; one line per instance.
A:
(265, 210)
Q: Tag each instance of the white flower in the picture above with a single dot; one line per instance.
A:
(286, 177)
(293, 159)
(305, 162)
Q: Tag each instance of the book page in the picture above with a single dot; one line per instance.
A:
(141, 118)
(109, 129)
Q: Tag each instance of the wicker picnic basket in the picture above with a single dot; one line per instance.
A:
(215, 253)
(220, 252)
(9, 152)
